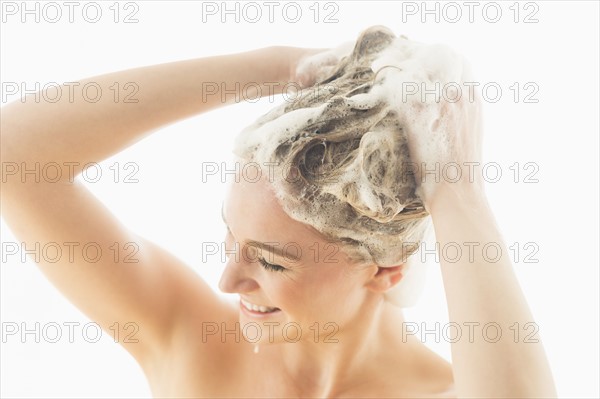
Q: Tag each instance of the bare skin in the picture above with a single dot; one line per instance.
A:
(361, 352)
(173, 306)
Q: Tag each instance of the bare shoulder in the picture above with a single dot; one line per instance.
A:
(433, 375)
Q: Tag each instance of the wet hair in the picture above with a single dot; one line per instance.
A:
(340, 150)
(342, 158)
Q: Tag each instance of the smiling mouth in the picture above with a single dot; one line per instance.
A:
(257, 308)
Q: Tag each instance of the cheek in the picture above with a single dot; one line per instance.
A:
(325, 291)
(281, 290)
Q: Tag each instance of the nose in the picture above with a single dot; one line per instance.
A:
(236, 277)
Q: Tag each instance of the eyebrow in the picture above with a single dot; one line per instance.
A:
(263, 245)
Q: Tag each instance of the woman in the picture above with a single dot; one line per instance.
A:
(315, 248)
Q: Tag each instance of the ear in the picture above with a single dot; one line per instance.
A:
(385, 278)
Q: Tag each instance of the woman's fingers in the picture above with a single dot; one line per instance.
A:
(316, 64)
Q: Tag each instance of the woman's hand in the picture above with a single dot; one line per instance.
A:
(446, 149)
(480, 287)
(309, 66)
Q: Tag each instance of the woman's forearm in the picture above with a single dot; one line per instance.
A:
(485, 299)
(82, 129)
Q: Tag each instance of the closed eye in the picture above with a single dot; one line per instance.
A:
(270, 266)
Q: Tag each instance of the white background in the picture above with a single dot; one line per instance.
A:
(172, 206)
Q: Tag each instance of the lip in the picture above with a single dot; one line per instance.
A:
(259, 315)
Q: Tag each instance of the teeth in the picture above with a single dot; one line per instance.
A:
(257, 308)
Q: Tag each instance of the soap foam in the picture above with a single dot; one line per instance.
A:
(341, 147)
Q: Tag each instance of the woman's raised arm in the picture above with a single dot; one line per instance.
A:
(76, 130)
(109, 272)
(501, 355)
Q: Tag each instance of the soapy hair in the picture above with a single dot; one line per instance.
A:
(341, 152)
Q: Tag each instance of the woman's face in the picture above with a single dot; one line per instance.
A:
(289, 269)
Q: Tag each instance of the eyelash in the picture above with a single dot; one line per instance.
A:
(270, 266)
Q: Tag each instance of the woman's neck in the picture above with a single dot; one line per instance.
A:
(361, 350)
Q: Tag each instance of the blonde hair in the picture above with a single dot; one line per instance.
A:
(344, 160)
